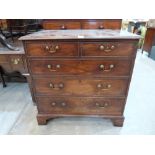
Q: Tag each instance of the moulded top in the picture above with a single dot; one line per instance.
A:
(80, 34)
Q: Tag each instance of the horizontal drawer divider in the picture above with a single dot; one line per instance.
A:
(79, 76)
(81, 58)
(80, 96)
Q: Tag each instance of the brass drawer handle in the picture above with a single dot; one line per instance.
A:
(52, 49)
(104, 86)
(53, 104)
(51, 67)
(102, 67)
(63, 27)
(107, 48)
(101, 27)
(103, 105)
(63, 104)
(56, 86)
(15, 61)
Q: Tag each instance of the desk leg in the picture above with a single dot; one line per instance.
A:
(2, 78)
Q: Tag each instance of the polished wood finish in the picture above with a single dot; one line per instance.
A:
(110, 67)
(54, 49)
(56, 25)
(85, 78)
(81, 105)
(107, 49)
(81, 87)
(64, 24)
(149, 40)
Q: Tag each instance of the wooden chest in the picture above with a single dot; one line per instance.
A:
(80, 72)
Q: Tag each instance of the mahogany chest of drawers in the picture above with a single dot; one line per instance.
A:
(80, 72)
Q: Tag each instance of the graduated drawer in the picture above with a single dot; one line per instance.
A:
(80, 106)
(81, 67)
(81, 86)
(52, 48)
(56, 25)
(99, 49)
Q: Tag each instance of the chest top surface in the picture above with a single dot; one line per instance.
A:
(80, 34)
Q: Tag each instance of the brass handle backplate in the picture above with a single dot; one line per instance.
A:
(56, 86)
(107, 48)
(54, 104)
(53, 68)
(103, 68)
(102, 105)
(103, 86)
(15, 61)
(52, 48)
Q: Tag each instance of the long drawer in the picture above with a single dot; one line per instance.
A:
(81, 67)
(81, 86)
(80, 106)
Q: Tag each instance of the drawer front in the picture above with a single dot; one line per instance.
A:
(93, 25)
(108, 49)
(6, 67)
(51, 25)
(102, 24)
(81, 87)
(53, 49)
(81, 67)
(80, 106)
(3, 59)
(17, 63)
(112, 24)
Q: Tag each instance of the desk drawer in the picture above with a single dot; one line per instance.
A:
(3, 59)
(99, 49)
(53, 49)
(80, 106)
(81, 86)
(81, 67)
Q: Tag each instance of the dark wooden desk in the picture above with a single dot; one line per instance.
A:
(149, 40)
(13, 66)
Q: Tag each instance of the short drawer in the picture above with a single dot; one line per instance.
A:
(56, 25)
(81, 86)
(99, 49)
(80, 106)
(53, 49)
(81, 67)
(17, 63)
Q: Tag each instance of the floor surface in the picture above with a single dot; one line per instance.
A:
(18, 114)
